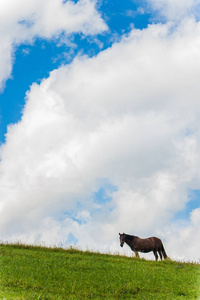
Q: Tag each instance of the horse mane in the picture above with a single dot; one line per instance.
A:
(129, 237)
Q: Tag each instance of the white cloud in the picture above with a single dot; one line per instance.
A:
(183, 241)
(22, 21)
(129, 115)
(176, 10)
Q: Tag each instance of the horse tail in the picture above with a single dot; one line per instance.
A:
(163, 251)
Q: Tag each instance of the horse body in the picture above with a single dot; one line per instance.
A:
(144, 245)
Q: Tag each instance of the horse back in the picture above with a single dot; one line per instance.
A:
(148, 244)
(156, 241)
(151, 239)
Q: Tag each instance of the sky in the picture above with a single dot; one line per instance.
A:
(99, 119)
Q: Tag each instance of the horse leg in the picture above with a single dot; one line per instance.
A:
(136, 254)
(155, 254)
(160, 254)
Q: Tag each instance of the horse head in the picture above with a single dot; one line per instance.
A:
(122, 239)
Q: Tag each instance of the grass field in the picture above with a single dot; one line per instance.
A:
(28, 272)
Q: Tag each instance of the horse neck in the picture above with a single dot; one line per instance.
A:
(129, 239)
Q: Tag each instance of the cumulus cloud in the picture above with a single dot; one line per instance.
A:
(22, 21)
(176, 10)
(183, 241)
(126, 119)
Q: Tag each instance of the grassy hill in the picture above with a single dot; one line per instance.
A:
(28, 272)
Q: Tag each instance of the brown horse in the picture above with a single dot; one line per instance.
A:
(143, 245)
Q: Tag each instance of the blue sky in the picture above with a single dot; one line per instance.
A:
(100, 122)
(33, 62)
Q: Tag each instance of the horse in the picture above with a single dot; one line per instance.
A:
(143, 245)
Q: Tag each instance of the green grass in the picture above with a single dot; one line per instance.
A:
(28, 272)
